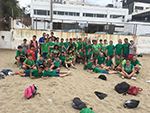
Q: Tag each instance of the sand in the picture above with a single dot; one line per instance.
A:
(62, 90)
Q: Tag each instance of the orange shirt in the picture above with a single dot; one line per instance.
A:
(33, 54)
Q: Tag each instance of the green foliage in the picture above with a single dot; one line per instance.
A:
(7, 6)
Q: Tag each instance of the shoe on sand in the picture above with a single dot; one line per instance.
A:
(69, 73)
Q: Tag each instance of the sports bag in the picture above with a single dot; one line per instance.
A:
(134, 90)
(78, 104)
(122, 88)
(30, 92)
(131, 104)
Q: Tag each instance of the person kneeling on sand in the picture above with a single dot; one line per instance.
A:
(48, 73)
(97, 70)
(137, 65)
(128, 70)
(33, 74)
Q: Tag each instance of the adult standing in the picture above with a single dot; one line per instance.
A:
(34, 43)
(126, 46)
(118, 48)
(96, 49)
(132, 49)
(41, 40)
(52, 36)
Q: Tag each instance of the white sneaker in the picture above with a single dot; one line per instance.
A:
(69, 73)
(133, 78)
(122, 77)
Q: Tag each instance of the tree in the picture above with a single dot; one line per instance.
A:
(8, 6)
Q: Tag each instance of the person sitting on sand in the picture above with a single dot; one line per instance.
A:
(100, 61)
(128, 70)
(56, 64)
(123, 61)
(20, 56)
(68, 62)
(118, 60)
(33, 74)
(50, 58)
(137, 65)
(29, 63)
(88, 66)
(108, 64)
(97, 70)
(48, 73)
(40, 61)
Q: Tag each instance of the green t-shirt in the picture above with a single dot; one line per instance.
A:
(66, 45)
(126, 48)
(89, 66)
(108, 63)
(101, 45)
(57, 63)
(79, 45)
(45, 47)
(96, 70)
(48, 55)
(123, 62)
(36, 73)
(81, 54)
(84, 55)
(51, 44)
(67, 60)
(89, 54)
(136, 63)
(71, 57)
(100, 59)
(19, 53)
(49, 74)
(58, 43)
(96, 47)
(118, 61)
(84, 44)
(86, 110)
(29, 62)
(87, 47)
(104, 47)
(118, 49)
(110, 49)
(128, 69)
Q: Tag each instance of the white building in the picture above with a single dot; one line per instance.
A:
(71, 14)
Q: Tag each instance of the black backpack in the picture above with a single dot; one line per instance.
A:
(122, 88)
(78, 104)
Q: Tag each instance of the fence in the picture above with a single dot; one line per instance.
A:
(11, 39)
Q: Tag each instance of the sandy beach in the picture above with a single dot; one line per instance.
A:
(62, 90)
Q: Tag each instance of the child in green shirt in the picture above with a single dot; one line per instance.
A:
(88, 66)
(33, 74)
(80, 56)
(118, 48)
(66, 44)
(56, 64)
(29, 63)
(62, 58)
(68, 62)
(108, 64)
(45, 48)
(100, 61)
(71, 56)
(104, 47)
(20, 56)
(110, 49)
(89, 53)
(48, 73)
(50, 58)
(79, 44)
(117, 63)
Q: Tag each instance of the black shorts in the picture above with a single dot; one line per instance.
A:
(80, 58)
(69, 65)
(22, 60)
(55, 67)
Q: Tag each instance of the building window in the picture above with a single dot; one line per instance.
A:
(66, 13)
(147, 8)
(41, 12)
(77, 14)
(101, 15)
(54, 12)
(60, 13)
(48, 13)
(71, 13)
(35, 12)
(88, 15)
(138, 8)
(116, 16)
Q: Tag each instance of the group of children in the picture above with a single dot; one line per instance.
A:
(97, 57)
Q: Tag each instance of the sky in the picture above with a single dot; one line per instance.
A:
(99, 2)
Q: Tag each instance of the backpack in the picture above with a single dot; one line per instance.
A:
(122, 88)
(32, 43)
(30, 92)
(131, 104)
(134, 90)
(78, 104)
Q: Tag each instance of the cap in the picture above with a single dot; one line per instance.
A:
(74, 38)
(131, 40)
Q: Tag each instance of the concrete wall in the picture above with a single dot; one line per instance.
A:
(14, 38)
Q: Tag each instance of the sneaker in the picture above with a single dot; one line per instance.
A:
(118, 72)
(74, 68)
(15, 63)
(68, 68)
(69, 73)
(133, 78)
(122, 77)
(20, 67)
(137, 72)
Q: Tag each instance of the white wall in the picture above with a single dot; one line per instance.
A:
(144, 5)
